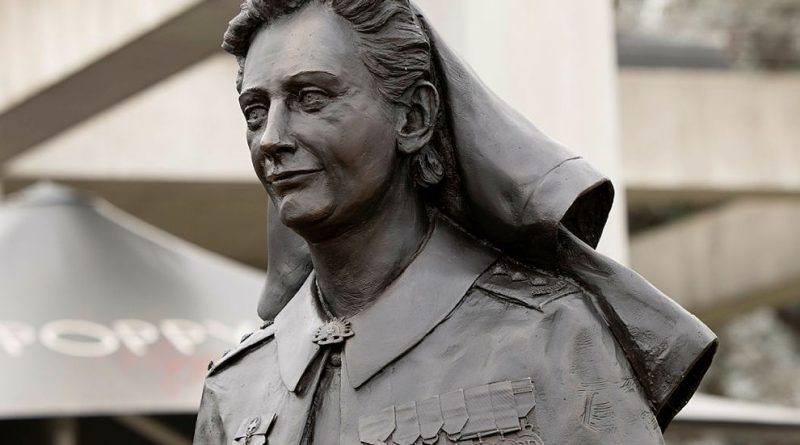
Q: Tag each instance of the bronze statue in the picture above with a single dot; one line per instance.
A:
(432, 276)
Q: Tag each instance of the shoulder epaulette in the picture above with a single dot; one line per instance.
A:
(524, 285)
(248, 343)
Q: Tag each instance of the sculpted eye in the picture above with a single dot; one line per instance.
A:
(255, 115)
(312, 99)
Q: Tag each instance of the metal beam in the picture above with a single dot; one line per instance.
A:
(179, 42)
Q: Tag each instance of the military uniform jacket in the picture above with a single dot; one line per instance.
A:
(466, 346)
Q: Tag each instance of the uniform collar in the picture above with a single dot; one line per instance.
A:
(413, 305)
(295, 326)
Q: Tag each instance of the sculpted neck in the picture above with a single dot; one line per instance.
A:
(355, 267)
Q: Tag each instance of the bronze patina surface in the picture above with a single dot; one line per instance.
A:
(432, 274)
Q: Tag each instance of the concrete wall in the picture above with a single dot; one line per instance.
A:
(726, 260)
(710, 132)
(694, 136)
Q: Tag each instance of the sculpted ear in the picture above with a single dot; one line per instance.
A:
(418, 109)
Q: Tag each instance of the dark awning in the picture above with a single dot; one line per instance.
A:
(103, 314)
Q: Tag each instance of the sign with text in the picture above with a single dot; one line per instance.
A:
(101, 314)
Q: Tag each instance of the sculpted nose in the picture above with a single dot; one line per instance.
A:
(276, 140)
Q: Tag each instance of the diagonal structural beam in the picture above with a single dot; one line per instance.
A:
(171, 47)
(727, 260)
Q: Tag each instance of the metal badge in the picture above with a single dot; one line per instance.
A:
(541, 286)
(524, 395)
(408, 430)
(493, 414)
(377, 428)
(430, 419)
(481, 413)
(528, 437)
(252, 427)
(254, 430)
(524, 437)
(504, 406)
(333, 332)
(454, 409)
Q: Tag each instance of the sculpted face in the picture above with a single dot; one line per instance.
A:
(322, 139)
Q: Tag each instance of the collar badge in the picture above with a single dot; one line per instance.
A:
(333, 332)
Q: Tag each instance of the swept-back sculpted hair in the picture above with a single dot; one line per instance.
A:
(390, 42)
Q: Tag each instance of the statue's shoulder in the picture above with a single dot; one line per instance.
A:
(525, 285)
(249, 343)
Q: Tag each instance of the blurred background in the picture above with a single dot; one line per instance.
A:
(143, 257)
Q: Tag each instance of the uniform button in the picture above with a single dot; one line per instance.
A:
(335, 359)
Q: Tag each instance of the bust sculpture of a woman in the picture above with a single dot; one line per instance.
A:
(432, 272)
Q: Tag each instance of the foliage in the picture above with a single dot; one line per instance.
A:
(761, 34)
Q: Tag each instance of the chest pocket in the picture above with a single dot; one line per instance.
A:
(480, 414)
(254, 430)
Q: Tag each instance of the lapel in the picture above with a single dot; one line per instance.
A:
(295, 326)
(413, 305)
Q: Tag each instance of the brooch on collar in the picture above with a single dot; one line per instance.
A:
(333, 332)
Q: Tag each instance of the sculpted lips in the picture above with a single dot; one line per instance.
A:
(288, 175)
